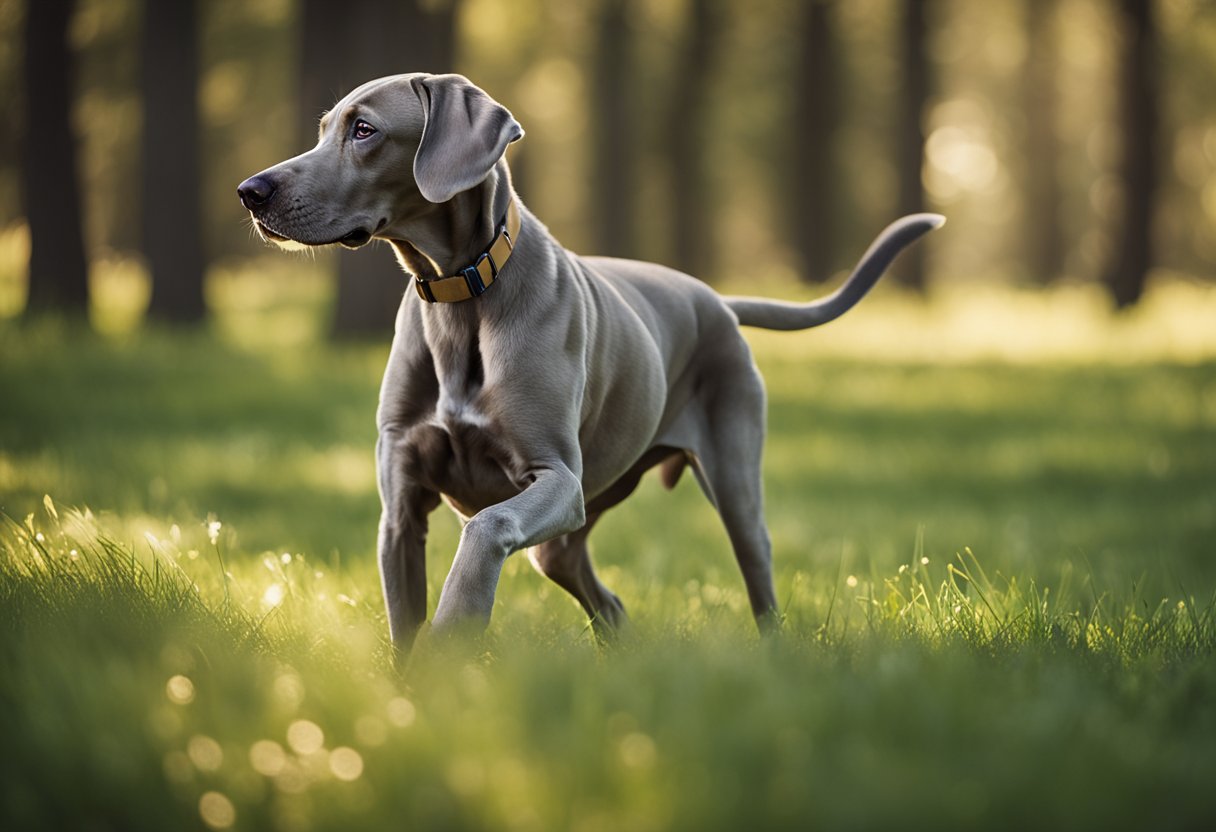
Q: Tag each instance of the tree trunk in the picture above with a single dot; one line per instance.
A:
(172, 191)
(910, 133)
(612, 137)
(812, 198)
(1044, 239)
(323, 53)
(343, 46)
(1132, 255)
(58, 268)
(687, 130)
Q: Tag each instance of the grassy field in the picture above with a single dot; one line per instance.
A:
(993, 522)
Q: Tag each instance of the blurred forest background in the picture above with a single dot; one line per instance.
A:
(1067, 140)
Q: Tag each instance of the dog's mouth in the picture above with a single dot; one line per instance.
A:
(269, 233)
(357, 238)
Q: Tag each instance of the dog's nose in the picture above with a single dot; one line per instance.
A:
(255, 191)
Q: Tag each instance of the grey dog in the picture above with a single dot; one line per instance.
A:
(527, 386)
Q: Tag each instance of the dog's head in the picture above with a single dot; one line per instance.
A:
(387, 153)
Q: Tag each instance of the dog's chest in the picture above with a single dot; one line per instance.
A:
(457, 447)
(459, 452)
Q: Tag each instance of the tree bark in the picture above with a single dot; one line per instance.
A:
(910, 133)
(687, 129)
(812, 197)
(612, 137)
(171, 188)
(1132, 254)
(50, 183)
(1044, 238)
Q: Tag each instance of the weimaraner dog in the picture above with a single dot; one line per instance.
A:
(527, 386)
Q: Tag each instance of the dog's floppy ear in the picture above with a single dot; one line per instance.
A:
(465, 134)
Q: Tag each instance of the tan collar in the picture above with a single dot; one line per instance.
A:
(471, 281)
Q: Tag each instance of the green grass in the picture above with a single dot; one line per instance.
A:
(994, 553)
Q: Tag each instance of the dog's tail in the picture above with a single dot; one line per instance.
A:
(777, 314)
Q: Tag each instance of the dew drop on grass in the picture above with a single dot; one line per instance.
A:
(346, 763)
(267, 757)
(180, 690)
(216, 810)
(305, 736)
(273, 596)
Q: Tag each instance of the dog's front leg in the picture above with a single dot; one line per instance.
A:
(551, 505)
(404, 506)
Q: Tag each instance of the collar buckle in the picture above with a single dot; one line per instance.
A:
(472, 281)
(472, 274)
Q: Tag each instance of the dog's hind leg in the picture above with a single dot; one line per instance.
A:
(726, 462)
(566, 561)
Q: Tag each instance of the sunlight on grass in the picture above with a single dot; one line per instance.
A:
(257, 707)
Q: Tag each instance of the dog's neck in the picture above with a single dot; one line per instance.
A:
(453, 235)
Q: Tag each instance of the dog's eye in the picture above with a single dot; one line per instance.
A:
(363, 130)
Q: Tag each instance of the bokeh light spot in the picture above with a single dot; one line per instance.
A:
(305, 737)
(401, 712)
(346, 763)
(273, 596)
(216, 810)
(267, 757)
(180, 690)
(205, 753)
